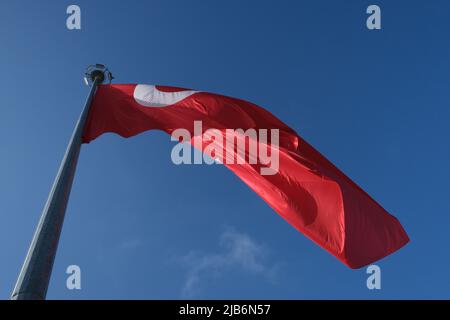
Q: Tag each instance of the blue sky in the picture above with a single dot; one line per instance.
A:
(376, 103)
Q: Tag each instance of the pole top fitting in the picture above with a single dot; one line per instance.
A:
(99, 72)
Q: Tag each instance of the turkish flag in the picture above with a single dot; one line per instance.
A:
(303, 187)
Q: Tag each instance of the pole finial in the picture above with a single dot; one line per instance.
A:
(97, 71)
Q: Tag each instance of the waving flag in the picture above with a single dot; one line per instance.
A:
(304, 187)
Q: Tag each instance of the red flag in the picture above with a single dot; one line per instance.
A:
(304, 188)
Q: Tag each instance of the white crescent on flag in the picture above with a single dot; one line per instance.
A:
(149, 96)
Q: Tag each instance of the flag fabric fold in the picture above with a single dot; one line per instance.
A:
(306, 189)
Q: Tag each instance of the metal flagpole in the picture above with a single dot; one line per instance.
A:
(34, 276)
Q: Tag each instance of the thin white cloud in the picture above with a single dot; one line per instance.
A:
(238, 250)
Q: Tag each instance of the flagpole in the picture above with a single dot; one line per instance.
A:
(34, 277)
